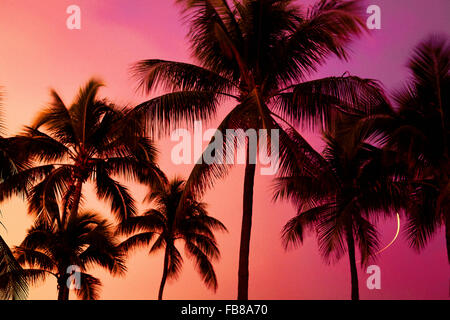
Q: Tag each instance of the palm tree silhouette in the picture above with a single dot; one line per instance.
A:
(195, 229)
(92, 140)
(257, 53)
(418, 129)
(13, 284)
(67, 251)
(358, 183)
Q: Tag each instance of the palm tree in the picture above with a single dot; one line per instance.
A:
(68, 251)
(258, 53)
(92, 140)
(358, 183)
(195, 230)
(13, 285)
(422, 135)
(417, 128)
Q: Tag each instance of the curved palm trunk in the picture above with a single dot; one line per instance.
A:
(353, 269)
(165, 272)
(247, 213)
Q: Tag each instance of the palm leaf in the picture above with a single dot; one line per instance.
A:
(13, 284)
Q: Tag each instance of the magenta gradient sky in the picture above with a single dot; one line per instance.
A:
(38, 52)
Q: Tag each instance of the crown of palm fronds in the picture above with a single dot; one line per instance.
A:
(92, 140)
(359, 183)
(159, 228)
(85, 241)
(423, 137)
(258, 54)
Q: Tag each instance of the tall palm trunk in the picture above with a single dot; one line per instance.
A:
(165, 272)
(247, 213)
(65, 204)
(76, 198)
(447, 235)
(352, 259)
(63, 290)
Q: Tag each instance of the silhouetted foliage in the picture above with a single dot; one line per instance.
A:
(258, 54)
(358, 183)
(91, 141)
(195, 230)
(84, 241)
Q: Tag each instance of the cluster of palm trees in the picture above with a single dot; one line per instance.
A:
(381, 157)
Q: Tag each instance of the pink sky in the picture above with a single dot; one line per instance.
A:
(38, 52)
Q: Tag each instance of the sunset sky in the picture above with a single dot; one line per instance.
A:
(38, 52)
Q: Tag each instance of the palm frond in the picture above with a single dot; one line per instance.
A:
(13, 283)
(327, 28)
(178, 76)
(215, 36)
(204, 174)
(122, 203)
(152, 220)
(34, 258)
(330, 232)
(57, 119)
(89, 287)
(137, 241)
(175, 262)
(167, 112)
(294, 230)
(43, 196)
(21, 182)
(203, 265)
(315, 103)
(367, 238)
